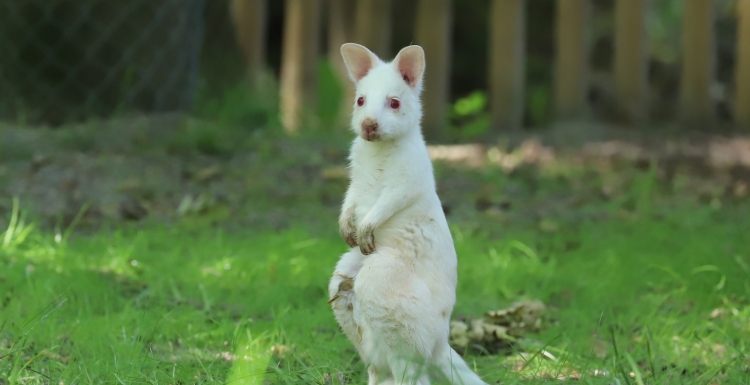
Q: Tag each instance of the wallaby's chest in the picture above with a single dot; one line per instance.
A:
(369, 180)
(373, 175)
(372, 170)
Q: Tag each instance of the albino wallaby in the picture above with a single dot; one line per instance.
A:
(394, 291)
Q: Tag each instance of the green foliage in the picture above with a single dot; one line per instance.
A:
(538, 92)
(665, 299)
(664, 29)
(330, 93)
(256, 108)
(80, 138)
(469, 117)
(207, 139)
(241, 106)
(473, 104)
(66, 61)
(9, 151)
(539, 103)
(665, 24)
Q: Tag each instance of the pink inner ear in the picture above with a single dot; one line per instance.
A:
(410, 66)
(358, 59)
(362, 67)
(408, 74)
(406, 77)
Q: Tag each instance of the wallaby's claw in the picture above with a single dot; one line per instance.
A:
(351, 239)
(348, 231)
(366, 240)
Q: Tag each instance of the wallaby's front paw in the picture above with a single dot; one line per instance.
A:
(366, 239)
(348, 231)
(350, 238)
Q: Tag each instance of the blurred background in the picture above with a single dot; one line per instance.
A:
(493, 64)
(195, 80)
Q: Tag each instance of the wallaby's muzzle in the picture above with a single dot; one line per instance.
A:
(370, 130)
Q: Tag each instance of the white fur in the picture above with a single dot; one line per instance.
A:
(394, 291)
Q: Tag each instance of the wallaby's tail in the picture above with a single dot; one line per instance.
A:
(455, 369)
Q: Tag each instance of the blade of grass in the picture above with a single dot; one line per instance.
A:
(45, 308)
(12, 225)
(636, 370)
(649, 338)
(74, 223)
(617, 356)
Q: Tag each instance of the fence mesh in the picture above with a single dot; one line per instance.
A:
(68, 60)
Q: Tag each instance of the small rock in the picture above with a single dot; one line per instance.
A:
(718, 313)
(279, 350)
(39, 161)
(548, 226)
(133, 184)
(482, 204)
(68, 184)
(207, 174)
(198, 205)
(186, 205)
(132, 210)
(483, 199)
(741, 189)
(278, 220)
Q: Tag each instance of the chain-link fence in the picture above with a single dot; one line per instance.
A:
(68, 60)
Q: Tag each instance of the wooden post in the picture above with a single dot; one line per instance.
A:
(249, 17)
(299, 61)
(507, 67)
(631, 59)
(373, 24)
(698, 62)
(572, 58)
(742, 78)
(433, 33)
(340, 28)
(340, 31)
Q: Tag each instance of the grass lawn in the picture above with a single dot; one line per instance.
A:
(645, 271)
(643, 298)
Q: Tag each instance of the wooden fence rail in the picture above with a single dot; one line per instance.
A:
(368, 22)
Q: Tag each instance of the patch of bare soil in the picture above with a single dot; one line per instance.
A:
(158, 168)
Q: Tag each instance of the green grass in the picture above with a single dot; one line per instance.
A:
(185, 305)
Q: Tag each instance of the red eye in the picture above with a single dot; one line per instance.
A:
(395, 104)
(361, 101)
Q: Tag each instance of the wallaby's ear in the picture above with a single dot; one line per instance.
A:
(358, 59)
(410, 63)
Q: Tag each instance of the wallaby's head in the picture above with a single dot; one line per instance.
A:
(386, 103)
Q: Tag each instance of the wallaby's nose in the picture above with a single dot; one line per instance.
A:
(370, 129)
(369, 125)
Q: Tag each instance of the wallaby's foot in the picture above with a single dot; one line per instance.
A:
(346, 285)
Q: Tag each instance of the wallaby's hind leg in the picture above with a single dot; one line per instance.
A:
(377, 377)
(341, 293)
(409, 373)
(401, 323)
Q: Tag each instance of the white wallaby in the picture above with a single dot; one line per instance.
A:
(393, 292)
